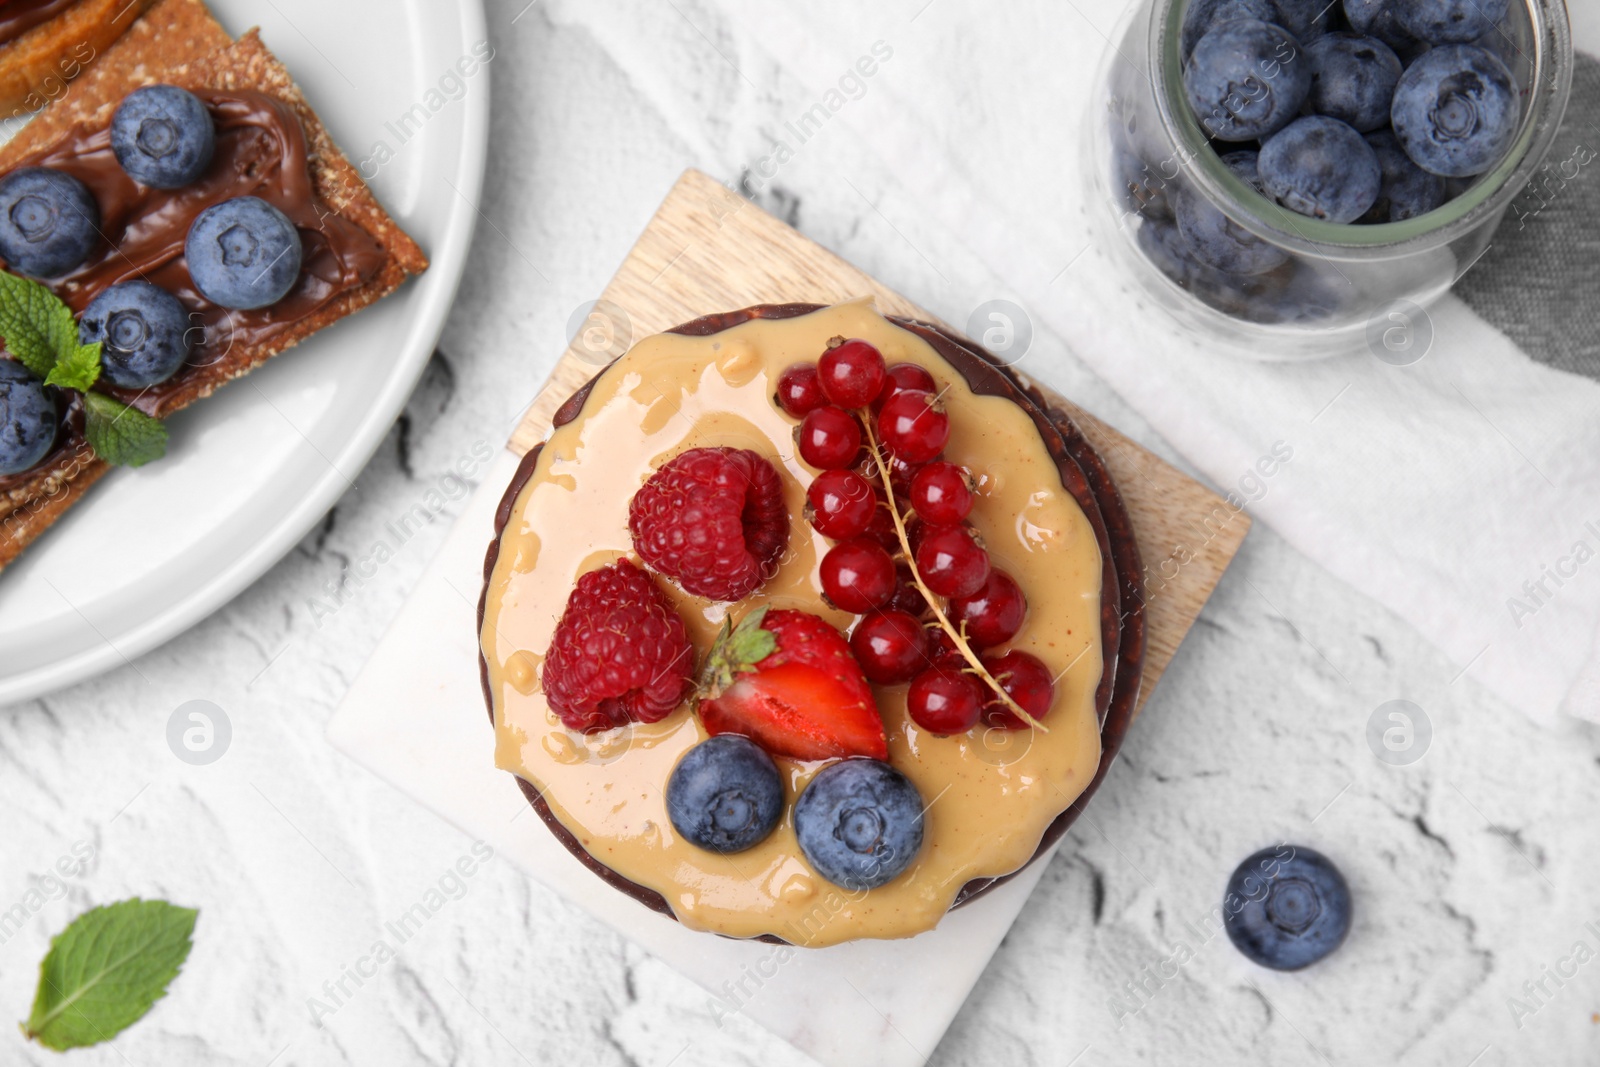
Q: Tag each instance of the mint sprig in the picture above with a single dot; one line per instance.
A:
(77, 369)
(38, 328)
(120, 435)
(106, 970)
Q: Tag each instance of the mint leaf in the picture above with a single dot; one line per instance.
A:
(78, 369)
(106, 969)
(121, 435)
(35, 324)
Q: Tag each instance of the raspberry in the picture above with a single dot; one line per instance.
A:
(619, 654)
(714, 520)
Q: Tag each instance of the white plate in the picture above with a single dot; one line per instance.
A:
(148, 553)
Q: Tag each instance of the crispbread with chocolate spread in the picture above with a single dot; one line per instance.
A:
(355, 253)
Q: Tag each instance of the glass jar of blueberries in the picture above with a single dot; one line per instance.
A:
(1301, 177)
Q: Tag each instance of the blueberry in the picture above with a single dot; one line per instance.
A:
(163, 136)
(143, 331)
(1246, 79)
(1376, 18)
(859, 823)
(1455, 110)
(51, 222)
(1165, 247)
(1286, 907)
(1298, 294)
(243, 253)
(1407, 190)
(1144, 192)
(27, 419)
(1449, 21)
(1214, 238)
(1306, 19)
(1352, 79)
(1320, 167)
(725, 794)
(1201, 15)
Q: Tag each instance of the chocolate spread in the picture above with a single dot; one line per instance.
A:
(260, 151)
(19, 16)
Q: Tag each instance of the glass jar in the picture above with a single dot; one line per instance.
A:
(1330, 288)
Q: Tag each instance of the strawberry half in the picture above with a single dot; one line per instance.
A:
(786, 680)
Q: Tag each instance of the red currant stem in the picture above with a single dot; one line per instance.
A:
(956, 635)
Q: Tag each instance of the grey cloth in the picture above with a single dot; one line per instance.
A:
(1537, 284)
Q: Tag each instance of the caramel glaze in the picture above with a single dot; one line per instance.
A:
(19, 16)
(1083, 474)
(260, 151)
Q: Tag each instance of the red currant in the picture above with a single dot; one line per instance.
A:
(913, 425)
(942, 651)
(993, 614)
(945, 701)
(903, 376)
(907, 597)
(840, 504)
(851, 374)
(881, 529)
(1027, 681)
(799, 390)
(951, 561)
(857, 576)
(916, 529)
(830, 438)
(891, 646)
(902, 474)
(942, 493)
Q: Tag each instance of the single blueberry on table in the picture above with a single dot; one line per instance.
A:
(1219, 241)
(859, 823)
(27, 419)
(1246, 79)
(163, 136)
(1286, 907)
(50, 223)
(1456, 110)
(1306, 19)
(1322, 168)
(143, 332)
(243, 253)
(725, 794)
(1407, 190)
(1353, 79)
(1449, 21)
(1201, 15)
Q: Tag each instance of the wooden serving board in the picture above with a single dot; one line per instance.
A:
(709, 250)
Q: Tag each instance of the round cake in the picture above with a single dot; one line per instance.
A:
(699, 679)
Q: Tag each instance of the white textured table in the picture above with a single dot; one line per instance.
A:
(1473, 867)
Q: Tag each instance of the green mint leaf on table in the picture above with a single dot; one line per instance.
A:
(105, 970)
(37, 327)
(78, 369)
(121, 435)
